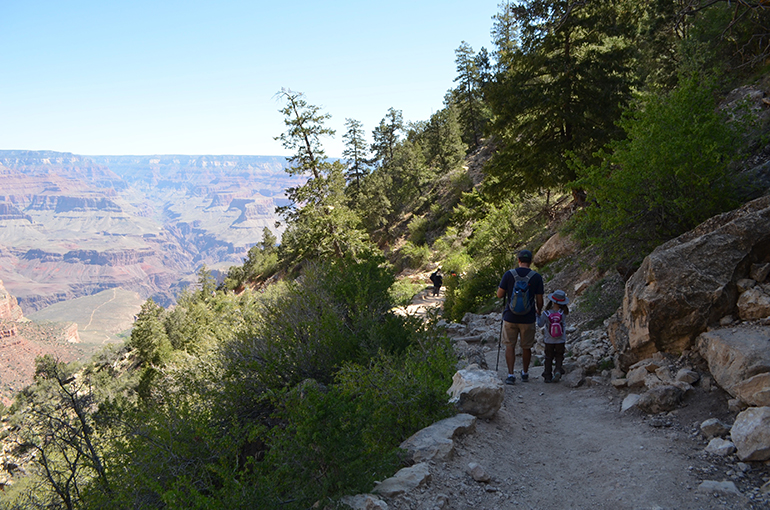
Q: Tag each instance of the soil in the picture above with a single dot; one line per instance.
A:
(555, 447)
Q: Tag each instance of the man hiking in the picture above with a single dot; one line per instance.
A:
(437, 280)
(523, 289)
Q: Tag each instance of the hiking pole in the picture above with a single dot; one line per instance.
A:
(500, 337)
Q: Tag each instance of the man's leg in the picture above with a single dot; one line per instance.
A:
(510, 337)
(527, 332)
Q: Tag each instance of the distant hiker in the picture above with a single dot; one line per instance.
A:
(523, 289)
(437, 280)
(553, 322)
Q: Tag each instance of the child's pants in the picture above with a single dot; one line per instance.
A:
(553, 352)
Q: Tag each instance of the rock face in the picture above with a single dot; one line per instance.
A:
(690, 282)
(9, 308)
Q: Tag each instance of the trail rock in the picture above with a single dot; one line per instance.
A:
(751, 433)
(636, 377)
(364, 502)
(736, 355)
(630, 401)
(714, 428)
(759, 272)
(477, 392)
(721, 447)
(687, 375)
(660, 399)
(435, 442)
(745, 284)
(478, 473)
(405, 480)
(754, 304)
(755, 391)
(688, 283)
(574, 378)
(724, 487)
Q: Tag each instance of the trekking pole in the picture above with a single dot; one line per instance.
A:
(500, 337)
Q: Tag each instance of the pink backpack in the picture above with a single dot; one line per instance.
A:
(555, 323)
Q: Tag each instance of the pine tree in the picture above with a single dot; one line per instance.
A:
(355, 154)
(386, 137)
(467, 94)
(319, 222)
(560, 93)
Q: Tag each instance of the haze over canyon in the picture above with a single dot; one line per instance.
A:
(73, 226)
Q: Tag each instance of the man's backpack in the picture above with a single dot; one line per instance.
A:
(555, 323)
(521, 299)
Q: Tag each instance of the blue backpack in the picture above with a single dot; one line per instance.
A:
(521, 299)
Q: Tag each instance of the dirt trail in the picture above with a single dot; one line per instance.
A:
(555, 447)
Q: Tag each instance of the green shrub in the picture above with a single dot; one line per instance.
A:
(415, 256)
(339, 440)
(417, 228)
(673, 171)
(403, 291)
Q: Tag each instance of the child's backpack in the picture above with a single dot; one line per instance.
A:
(555, 323)
(520, 302)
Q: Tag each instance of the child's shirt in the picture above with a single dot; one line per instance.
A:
(551, 332)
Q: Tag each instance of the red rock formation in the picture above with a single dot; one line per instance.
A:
(9, 307)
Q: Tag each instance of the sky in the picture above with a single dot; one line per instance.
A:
(105, 77)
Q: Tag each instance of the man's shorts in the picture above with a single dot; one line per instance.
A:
(512, 332)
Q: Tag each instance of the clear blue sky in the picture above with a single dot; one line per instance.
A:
(170, 77)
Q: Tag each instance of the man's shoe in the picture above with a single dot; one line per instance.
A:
(548, 380)
(524, 377)
(510, 380)
(557, 377)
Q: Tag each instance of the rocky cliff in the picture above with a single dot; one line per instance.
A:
(9, 308)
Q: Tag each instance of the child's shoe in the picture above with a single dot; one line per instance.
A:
(557, 377)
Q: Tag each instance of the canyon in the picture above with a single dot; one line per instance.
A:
(74, 226)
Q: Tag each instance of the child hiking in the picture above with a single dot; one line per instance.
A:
(553, 322)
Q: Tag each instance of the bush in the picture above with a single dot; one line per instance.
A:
(476, 291)
(339, 440)
(415, 256)
(674, 170)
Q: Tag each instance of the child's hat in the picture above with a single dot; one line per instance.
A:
(559, 297)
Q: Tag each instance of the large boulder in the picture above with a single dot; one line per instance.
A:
(690, 282)
(556, 247)
(751, 433)
(739, 361)
(477, 392)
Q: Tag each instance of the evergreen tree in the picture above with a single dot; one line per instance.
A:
(560, 92)
(355, 154)
(468, 94)
(505, 34)
(319, 222)
(446, 147)
(386, 136)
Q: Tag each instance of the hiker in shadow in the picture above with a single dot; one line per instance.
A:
(437, 281)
